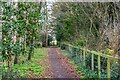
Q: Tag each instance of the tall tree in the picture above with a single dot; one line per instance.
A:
(89, 24)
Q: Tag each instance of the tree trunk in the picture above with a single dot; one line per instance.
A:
(30, 51)
(10, 63)
(46, 41)
(16, 59)
(29, 55)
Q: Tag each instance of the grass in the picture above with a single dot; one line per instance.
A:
(34, 67)
(83, 71)
(65, 53)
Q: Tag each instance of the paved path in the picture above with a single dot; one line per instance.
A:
(59, 66)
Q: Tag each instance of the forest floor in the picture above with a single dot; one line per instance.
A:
(59, 65)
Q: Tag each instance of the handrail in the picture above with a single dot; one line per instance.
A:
(94, 52)
(99, 54)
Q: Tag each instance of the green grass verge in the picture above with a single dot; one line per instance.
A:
(33, 66)
(85, 73)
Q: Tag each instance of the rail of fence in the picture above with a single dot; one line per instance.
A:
(99, 55)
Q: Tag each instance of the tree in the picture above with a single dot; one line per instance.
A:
(20, 30)
(87, 24)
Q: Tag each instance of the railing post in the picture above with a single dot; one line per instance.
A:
(99, 66)
(68, 48)
(84, 57)
(92, 62)
(81, 56)
(108, 68)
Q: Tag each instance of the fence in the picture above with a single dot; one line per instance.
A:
(83, 53)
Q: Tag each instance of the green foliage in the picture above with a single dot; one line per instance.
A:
(72, 62)
(20, 29)
(80, 43)
(11, 74)
(85, 73)
(28, 66)
(77, 57)
(82, 70)
(110, 51)
(85, 24)
(33, 66)
(115, 70)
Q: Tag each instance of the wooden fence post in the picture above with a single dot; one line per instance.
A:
(99, 66)
(84, 57)
(108, 68)
(92, 62)
(81, 56)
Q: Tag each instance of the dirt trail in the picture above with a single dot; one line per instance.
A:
(60, 66)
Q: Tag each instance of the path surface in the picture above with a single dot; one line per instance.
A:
(60, 66)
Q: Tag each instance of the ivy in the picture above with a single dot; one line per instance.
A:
(19, 29)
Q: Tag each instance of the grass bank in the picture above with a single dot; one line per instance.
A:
(31, 69)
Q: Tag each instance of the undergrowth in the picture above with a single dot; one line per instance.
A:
(83, 71)
(29, 68)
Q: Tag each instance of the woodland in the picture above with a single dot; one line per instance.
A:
(88, 33)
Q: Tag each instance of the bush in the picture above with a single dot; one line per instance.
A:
(80, 43)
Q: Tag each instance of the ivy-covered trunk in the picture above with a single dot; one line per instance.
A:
(9, 63)
(17, 50)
